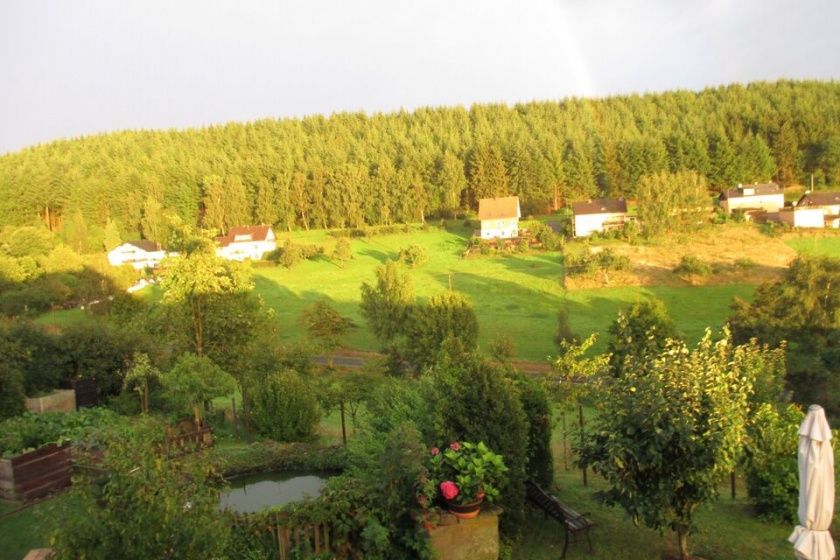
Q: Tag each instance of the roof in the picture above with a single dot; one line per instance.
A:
(146, 245)
(244, 234)
(498, 208)
(819, 199)
(757, 190)
(600, 206)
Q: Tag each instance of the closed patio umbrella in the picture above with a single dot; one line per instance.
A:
(811, 539)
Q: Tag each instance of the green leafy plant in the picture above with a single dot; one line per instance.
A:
(464, 473)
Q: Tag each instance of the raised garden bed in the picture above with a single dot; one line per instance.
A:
(35, 474)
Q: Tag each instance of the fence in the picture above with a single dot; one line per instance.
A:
(35, 474)
(180, 443)
(290, 541)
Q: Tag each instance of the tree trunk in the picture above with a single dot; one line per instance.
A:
(197, 413)
(580, 416)
(343, 427)
(682, 540)
(145, 396)
(197, 326)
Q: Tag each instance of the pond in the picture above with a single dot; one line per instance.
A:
(256, 492)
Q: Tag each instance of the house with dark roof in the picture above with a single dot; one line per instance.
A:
(599, 214)
(246, 242)
(768, 197)
(140, 254)
(828, 202)
(499, 217)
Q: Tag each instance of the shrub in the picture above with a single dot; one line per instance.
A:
(549, 240)
(588, 262)
(744, 263)
(11, 390)
(692, 266)
(772, 468)
(284, 407)
(476, 402)
(145, 507)
(413, 256)
(537, 407)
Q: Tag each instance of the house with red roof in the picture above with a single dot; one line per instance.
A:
(246, 243)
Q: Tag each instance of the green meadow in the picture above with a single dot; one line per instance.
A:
(817, 246)
(515, 295)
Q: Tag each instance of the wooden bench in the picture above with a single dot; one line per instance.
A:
(572, 521)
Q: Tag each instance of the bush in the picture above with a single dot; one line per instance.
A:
(535, 403)
(147, 506)
(284, 407)
(772, 468)
(11, 391)
(476, 402)
(413, 256)
(589, 262)
(549, 240)
(692, 266)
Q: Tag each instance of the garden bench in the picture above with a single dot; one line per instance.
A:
(572, 521)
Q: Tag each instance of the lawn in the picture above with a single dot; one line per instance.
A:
(30, 528)
(828, 246)
(728, 528)
(517, 295)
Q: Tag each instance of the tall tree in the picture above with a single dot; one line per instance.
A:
(669, 430)
(387, 304)
(788, 157)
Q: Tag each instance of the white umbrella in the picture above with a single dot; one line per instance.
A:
(811, 539)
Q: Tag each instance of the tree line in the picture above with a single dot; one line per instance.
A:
(353, 169)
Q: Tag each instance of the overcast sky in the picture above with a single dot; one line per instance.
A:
(72, 67)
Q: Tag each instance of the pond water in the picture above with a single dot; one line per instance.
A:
(256, 492)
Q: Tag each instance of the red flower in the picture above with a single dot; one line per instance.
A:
(434, 451)
(455, 446)
(448, 490)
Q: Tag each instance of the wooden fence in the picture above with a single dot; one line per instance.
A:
(35, 474)
(292, 541)
(178, 443)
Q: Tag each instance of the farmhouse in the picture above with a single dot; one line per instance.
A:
(246, 242)
(499, 217)
(599, 214)
(829, 202)
(139, 254)
(768, 197)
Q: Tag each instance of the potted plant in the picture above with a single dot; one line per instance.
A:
(462, 476)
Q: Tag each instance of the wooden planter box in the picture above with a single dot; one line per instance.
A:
(36, 473)
(57, 401)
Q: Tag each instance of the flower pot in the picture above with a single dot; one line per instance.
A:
(464, 511)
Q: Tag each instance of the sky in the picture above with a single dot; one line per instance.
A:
(74, 67)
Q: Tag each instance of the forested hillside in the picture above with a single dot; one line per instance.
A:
(349, 170)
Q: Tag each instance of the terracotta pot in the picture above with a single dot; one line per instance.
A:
(465, 511)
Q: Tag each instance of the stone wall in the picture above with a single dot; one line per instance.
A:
(467, 539)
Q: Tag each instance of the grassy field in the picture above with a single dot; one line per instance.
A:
(828, 246)
(517, 295)
(30, 528)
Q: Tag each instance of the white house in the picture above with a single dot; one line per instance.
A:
(246, 242)
(599, 214)
(499, 217)
(139, 254)
(803, 217)
(768, 197)
(829, 202)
